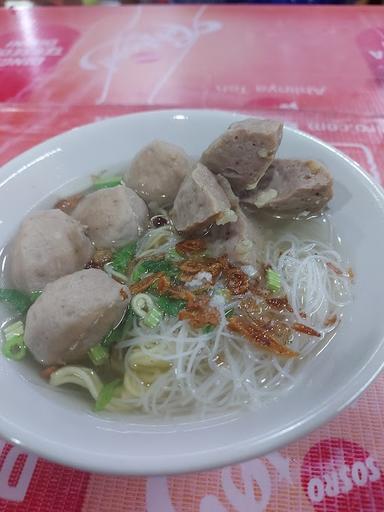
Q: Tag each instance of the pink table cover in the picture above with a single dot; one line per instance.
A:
(320, 69)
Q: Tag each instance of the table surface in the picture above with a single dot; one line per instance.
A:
(318, 68)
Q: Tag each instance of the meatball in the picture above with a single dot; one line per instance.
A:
(157, 172)
(73, 314)
(292, 186)
(113, 216)
(48, 245)
(244, 152)
(200, 201)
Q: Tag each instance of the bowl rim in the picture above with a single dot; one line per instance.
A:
(225, 455)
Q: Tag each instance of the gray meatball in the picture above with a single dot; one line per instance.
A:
(157, 172)
(73, 314)
(244, 152)
(48, 245)
(200, 201)
(113, 216)
(292, 186)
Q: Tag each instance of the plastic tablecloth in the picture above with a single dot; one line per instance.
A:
(318, 68)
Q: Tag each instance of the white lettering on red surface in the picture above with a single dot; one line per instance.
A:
(157, 495)
(343, 480)
(255, 472)
(17, 53)
(342, 127)
(16, 491)
(149, 46)
(231, 89)
(308, 90)
(378, 55)
(251, 472)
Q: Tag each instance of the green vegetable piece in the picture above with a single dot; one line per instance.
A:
(153, 266)
(15, 329)
(170, 307)
(106, 394)
(229, 313)
(14, 346)
(18, 300)
(127, 324)
(153, 318)
(141, 304)
(98, 354)
(34, 296)
(108, 182)
(121, 331)
(122, 257)
(273, 280)
(173, 255)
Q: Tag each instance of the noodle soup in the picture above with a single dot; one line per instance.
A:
(170, 303)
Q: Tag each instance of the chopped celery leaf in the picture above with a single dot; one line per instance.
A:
(121, 331)
(153, 266)
(122, 257)
(18, 300)
(170, 307)
(34, 295)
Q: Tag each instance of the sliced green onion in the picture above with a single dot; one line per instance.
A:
(19, 300)
(142, 304)
(169, 306)
(14, 346)
(16, 329)
(153, 318)
(273, 281)
(123, 256)
(107, 182)
(106, 394)
(229, 313)
(34, 295)
(98, 354)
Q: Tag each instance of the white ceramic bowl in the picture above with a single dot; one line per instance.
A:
(57, 426)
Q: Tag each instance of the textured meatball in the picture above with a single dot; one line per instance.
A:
(200, 201)
(244, 152)
(48, 245)
(157, 172)
(73, 314)
(292, 186)
(113, 216)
